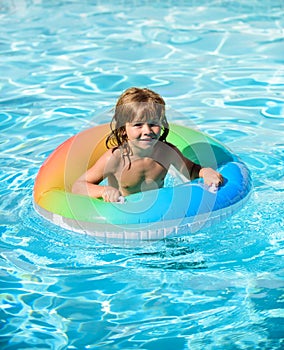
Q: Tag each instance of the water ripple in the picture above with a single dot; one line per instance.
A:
(219, 66)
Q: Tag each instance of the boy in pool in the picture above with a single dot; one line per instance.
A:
(138, 156)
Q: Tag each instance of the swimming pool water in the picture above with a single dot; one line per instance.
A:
(219, 66)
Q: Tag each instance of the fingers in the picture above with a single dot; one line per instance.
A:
(211, 177)
(219, 180)
(111, 194)
(215, 182)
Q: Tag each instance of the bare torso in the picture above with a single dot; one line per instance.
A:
(135, 174)
(143, 175)
(131, 174)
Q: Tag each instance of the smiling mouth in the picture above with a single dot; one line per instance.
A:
(148, 139)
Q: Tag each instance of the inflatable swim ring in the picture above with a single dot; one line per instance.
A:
(150, 215)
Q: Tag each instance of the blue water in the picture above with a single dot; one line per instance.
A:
(219, 66)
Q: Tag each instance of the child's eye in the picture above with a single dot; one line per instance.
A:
(140, 124)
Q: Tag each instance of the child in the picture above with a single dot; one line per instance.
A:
(138, 156)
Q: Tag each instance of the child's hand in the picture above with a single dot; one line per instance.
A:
(211, 177)
(111, 194)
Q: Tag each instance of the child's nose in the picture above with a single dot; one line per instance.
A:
(147, 128)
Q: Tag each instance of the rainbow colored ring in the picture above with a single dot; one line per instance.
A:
(150, 215)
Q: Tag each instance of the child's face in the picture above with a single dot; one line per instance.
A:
(143, 135)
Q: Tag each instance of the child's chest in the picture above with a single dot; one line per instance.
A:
(143, 174)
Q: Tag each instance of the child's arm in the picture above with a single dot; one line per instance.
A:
(192, 170)
(88, 183)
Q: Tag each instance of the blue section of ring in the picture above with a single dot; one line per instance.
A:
(183, 201)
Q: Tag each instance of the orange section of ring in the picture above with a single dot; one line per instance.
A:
(68, 162)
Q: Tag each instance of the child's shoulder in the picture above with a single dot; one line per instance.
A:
(111, 158)
(111, 154)
(114, 153)
(167, 149)
(169, 146)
